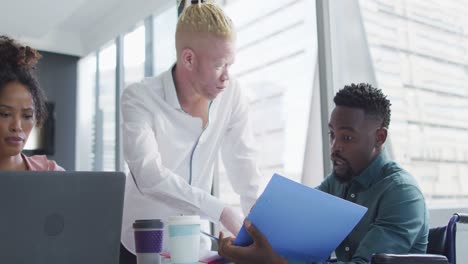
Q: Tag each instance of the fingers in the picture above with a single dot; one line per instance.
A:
(226, 249)
(256, 235)
(221, 243)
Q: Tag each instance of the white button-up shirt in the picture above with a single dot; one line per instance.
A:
(164, 147)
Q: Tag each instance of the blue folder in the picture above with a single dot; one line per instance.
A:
(301, 223)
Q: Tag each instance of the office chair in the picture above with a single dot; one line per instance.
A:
(441, 248)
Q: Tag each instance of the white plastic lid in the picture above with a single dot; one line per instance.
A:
(184, 220)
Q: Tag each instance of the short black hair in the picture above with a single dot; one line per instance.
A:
(18, 64)
(365, 97)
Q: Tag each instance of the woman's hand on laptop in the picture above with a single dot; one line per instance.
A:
(260, 251)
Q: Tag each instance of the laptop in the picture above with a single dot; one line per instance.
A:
(61, 217)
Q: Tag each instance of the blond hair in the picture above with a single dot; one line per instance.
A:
(205, 17)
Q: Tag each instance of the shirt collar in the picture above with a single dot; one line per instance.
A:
(170, 89)
(373, 171)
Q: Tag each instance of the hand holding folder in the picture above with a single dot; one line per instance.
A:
(301, 223)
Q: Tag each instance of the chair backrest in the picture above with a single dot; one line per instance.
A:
(442, 240)
(437, 240)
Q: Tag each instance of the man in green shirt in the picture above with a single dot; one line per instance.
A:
(396, 220)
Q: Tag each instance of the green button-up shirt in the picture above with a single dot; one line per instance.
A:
(396, 220)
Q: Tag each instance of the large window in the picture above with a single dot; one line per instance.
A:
(86, 112)
(134, 55)
(275, 65)
(420, 53)
(97, 124)
(105, 140)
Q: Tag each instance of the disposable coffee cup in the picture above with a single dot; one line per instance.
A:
(184, 239)
(148, 240)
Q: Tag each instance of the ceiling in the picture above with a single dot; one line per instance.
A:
(74, 27)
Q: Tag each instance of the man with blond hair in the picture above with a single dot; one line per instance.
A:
(176, 124)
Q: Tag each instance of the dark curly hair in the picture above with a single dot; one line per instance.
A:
(365, 97)
(18, 64)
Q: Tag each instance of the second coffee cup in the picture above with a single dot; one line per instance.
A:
(184, 238)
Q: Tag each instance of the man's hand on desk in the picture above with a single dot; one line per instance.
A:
(231, 220)
(259, 252)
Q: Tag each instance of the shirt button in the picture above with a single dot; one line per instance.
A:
(346, 249)
(353, 195)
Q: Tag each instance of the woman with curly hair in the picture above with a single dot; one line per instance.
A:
(22, 107)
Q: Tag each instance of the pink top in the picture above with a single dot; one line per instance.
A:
(40, 163)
